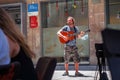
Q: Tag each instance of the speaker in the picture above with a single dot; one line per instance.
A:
(111, 46)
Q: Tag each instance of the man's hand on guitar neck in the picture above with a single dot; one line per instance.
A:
(82, 33)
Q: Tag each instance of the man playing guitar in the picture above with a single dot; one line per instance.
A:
(70, 48)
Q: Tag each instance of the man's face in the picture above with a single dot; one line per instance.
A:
(70, 21)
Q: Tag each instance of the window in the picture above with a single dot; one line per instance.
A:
(113, 13)
(56, 12)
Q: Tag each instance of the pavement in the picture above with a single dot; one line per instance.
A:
(90, 72)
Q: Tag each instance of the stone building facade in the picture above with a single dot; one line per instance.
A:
(96, 23)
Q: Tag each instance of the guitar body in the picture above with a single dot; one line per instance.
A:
(68, 34)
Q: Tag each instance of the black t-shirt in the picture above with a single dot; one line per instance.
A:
(27, 71)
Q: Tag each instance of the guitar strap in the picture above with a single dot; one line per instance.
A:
(69, 29)
(75, 30)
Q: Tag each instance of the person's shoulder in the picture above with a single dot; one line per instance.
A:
(65, 26)
(76, 26)
(1, 32)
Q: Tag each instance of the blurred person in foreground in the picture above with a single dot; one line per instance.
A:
(18, 48)
(4, 49)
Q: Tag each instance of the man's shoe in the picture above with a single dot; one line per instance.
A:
(65, 74)
(78, 74)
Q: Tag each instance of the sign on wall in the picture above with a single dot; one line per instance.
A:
(33, 22)
(33, 13)
(32, 9)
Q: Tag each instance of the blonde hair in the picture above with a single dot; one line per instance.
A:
(12, 31)
(73, 19)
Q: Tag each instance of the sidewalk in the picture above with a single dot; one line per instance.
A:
(90, 72)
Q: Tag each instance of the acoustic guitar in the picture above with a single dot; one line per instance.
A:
(70, 34)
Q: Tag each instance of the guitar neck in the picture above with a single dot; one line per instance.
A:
(75, 34)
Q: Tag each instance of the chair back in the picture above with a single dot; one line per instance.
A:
(45, 68)
(9, 71)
